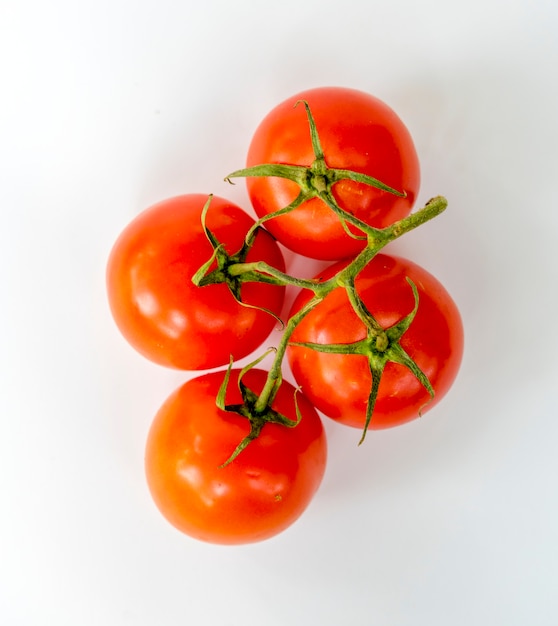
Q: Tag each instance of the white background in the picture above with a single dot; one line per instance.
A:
(107, 107)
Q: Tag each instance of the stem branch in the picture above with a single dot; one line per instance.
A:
(274, 376)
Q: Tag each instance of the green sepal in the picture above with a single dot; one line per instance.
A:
(361, 309)
(211, 237)
(376, 371)
(314, 137)
(349, 232)
(357, 177)
(358, 347)
(302, 197)
(396, 331)
(202, 271)
(254, 364)
(246, 408)
(220, 401)
(398, 355)
(235, 287)
(296, 173)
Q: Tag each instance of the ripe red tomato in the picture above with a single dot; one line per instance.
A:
(256, 496)
(338, 384)
(161, 312)
(357, 132)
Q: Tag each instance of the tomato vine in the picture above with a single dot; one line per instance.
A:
(195, 283)
(381, 345)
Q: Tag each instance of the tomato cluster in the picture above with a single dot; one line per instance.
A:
(195, 283)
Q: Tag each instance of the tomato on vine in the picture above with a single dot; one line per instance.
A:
(373, 341)
(357, 135)
(158, 308)
(251, 498)
(336, 373)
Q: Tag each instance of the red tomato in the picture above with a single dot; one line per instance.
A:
(256, 496)
(357, 132)
(338, 384)
(161, 312)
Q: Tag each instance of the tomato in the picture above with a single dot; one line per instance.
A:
(357, 132)
(339, 384)
(161, 312)
(256, 496)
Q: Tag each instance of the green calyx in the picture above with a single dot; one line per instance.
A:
(224, 265)
(205, 276)
(380, 346)
(252, 409)
(315, 181)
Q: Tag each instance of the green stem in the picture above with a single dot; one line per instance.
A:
(345, 278)
(260, 271)
(274, 376)
(380, 345)
(431, 209)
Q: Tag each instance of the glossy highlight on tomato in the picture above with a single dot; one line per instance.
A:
(358, 132)
(339, 384)
(161, 312)
(262, 491)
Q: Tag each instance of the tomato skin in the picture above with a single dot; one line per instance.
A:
(261, 492)
(339, 385)
(161, 312)
(357, 132)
